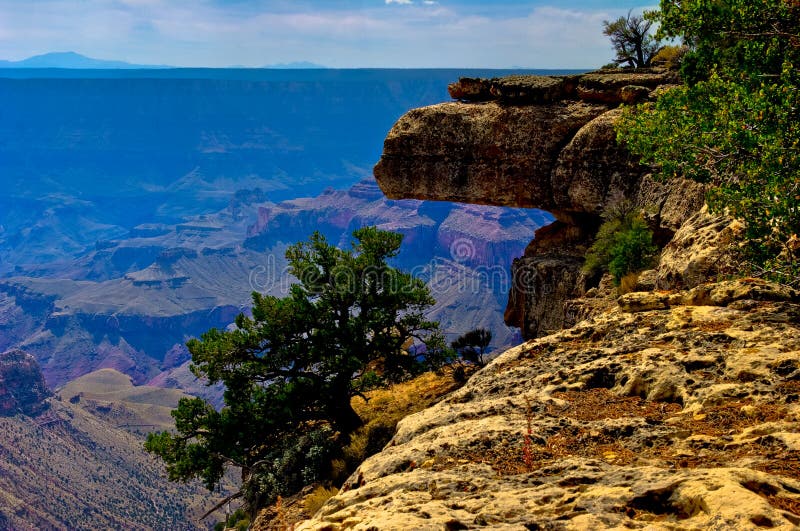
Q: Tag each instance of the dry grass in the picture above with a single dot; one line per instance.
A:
(403, 399)
(599, 404)
(731, 417)
(384, 408)
(317, 498)
(762, 453)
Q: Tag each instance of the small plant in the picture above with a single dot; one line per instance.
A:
(527, 441)
(623, 245)
(633, 249)
(473, 345)
(236, 520)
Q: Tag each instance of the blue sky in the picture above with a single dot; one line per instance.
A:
(335, 33)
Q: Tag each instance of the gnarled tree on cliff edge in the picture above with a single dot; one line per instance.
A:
(292, 368)
(633, 43)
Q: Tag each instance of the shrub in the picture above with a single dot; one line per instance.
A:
(632, 251)
(736, 123)
(623, 245)
(472, 346)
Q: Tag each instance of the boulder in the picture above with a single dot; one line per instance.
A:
(705, 247)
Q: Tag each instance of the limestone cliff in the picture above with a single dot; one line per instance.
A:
(676, 406)
(667, 411)
(544, 142)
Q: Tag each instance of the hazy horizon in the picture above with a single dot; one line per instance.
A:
(529, 34)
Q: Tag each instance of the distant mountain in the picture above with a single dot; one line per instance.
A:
(296, 65)
(70, 60)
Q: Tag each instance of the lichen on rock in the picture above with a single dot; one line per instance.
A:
(678, 417)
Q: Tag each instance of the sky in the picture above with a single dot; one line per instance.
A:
(333, 33)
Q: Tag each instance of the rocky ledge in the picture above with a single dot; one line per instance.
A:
(22, 386)
(543, 142)
(667, 410)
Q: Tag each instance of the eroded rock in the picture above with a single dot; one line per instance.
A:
(22, 386)
(678, 418)
(487, 154)
(545, 142)
(705, 247)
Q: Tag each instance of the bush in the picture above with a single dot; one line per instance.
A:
(473, 345)
(624, 245)
(632, 251)
(736, 123)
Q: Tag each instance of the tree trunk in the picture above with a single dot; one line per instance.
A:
(640, 54)
(343, 416)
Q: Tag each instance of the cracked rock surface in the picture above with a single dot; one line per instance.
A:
(677, 413)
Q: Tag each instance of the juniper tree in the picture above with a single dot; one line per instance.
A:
(291, 369)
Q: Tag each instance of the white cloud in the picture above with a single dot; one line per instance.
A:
(215, 33)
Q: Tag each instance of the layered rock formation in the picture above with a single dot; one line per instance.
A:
(544, 142)
(22, 386)
(130, 303)
(674, 407)
(668, 411)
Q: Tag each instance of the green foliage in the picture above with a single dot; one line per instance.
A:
(633, 43)
(237, 520)
(291, 369)
(472, 346)
(736, 124)
(302, 460)
(632, 251)
(623, 245)
(738, 37)
(437, 353)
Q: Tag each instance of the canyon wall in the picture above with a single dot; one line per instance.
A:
(541, 142)
(674, 406)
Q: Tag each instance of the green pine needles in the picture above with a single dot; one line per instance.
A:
(291, 370)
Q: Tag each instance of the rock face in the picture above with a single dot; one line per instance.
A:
(489, 153)
(546, 142)
(669, 411)
(22, 386)
(704, 247)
